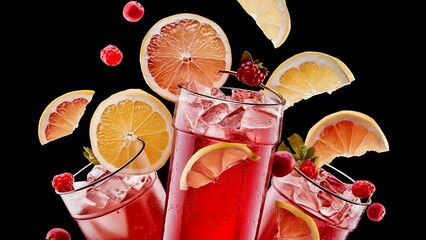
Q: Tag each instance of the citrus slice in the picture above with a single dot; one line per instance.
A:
(308, 74)
(209, 162)
(271, 16)
(181, 48)
(123, 118)
(294, 224)
(61, 117)
(345, 133)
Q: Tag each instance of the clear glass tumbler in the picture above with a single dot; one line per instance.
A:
(111, 205)
(229, 206)
(329, 202)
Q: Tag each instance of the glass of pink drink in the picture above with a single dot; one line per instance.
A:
(111, 205)
(328, 200)
(229, 207)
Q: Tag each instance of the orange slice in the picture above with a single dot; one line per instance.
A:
(61, 117)
(181, 48)
(209, 162)
(308, 74)
(294, 224)
(345, 133)
(271, 16)
(123, 118)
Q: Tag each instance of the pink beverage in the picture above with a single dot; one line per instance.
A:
(328, 200)
(230, 206)
(117, 206)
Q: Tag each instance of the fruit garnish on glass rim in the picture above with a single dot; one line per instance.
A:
(251, 72)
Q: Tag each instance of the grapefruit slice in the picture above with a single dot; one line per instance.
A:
(294, 224)
(61, 117)
(181, 48)
(345, 133)
(123, 118)
(209, 162)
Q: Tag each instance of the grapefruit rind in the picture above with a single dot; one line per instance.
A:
(69, 124)
(208, 149)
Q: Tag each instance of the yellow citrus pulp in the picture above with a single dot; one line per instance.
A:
(61, 117)
(294, 224)
(308, 74)
(181, 48)
(209, 162)
(123, 118)
(345, 133)
(271, 16)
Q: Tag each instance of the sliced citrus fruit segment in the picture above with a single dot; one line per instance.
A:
(61, 117)
(184, 47)
(294, 224)
(271, 16)
(123, 118)
(308, 74)
(345, 133)
(209, 162)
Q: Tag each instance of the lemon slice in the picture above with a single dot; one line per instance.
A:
(184, 47)
(308, 74)
(271, 16)
(61, 117)
(294, 224)
(209, 162)
(123, 118)
(345, 133)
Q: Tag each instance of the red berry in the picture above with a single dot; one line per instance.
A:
(133, 11)
(58, 234)
(283, 163)
(309, 169)
(376, 212)
(111, 55)
(363, 189)
(63, 182)
(250, 74)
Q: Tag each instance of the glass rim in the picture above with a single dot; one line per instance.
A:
(368, 200)
(278, 95)
(96, 182)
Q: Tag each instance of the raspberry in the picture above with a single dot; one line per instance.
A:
(283, 163)
(111, 55)
(309, 169)
(133, 11)
(376, 212)
(58, 234)
(250, 73)
(363, 189)
(63, 182)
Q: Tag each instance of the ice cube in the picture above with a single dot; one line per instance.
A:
(233, 119)
(135, 181)
(241, 95)
(114, 188)
(306, 197)
(215, 113)
(96, 173)
(94, 197)
(196, 86)
(257, 118)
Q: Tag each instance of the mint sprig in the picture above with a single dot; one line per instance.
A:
(88, 153)
(299, 150)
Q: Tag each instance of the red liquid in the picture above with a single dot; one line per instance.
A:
(139, 216)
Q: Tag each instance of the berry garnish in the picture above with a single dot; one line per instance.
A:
(250, 72)
(63, 182)
(363, 189)
(111, 55)
(376, 212)
(283, 163)
(133, 11)
(58, 234)
(309, 169)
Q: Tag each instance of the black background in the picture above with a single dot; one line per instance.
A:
(62, 50)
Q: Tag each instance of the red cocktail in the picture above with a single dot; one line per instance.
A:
(229, 206)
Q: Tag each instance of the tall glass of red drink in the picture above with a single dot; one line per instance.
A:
(229, 206)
